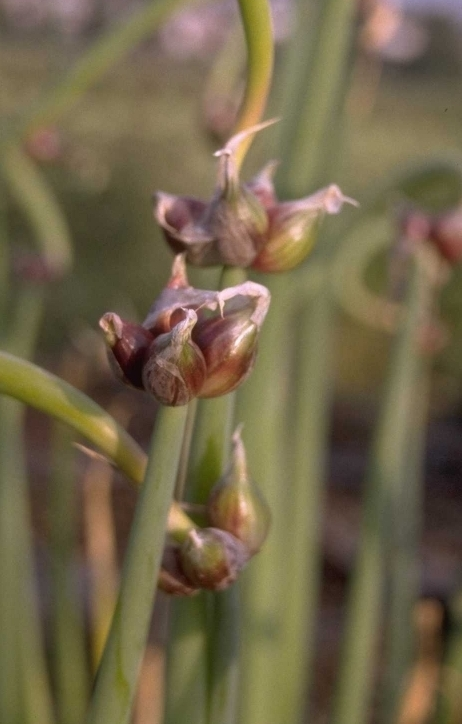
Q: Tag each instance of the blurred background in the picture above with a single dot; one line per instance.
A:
(153, 123)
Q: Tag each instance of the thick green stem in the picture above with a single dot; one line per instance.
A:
(118, 673)
(256, 20)
(46, 392)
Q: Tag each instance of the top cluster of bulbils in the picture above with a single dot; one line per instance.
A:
(244, 224)
(199, 343)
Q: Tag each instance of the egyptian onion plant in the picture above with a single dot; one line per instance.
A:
(238, 562)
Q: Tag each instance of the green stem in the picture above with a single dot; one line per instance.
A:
(315, 80)
(403, 551)
(225, 608)
(117, 676)
(49, 394)
(225, 643)
(261, 406)
(186, 697)
(310, 416)
(94, 64)
(387, 464)
(198, 672)
(69, 655)
(256, 20)
(46, 392)
(36, 199)
(10, 590)
(28, 660)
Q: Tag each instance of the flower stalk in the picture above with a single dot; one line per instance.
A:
(117, 676)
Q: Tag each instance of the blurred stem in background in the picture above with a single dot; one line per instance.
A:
(281, 595)
(389, 467)
(95, 62)
(25, 694)
(69, 659)
(315, 83)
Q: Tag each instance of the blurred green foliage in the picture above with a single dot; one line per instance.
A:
(142, 129)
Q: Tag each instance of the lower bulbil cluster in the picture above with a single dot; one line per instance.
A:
(238, 520)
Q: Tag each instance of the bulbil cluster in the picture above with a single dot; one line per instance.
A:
(200, 343)
(245, 224)
(193, 342)
(238, 522)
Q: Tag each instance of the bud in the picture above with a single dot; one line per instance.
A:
(212, 558)
(237, 218)
(171, 577)
(174, 370)
(294, 227)
(229, 346)
(236, 504)
(446, 234)
(128, 344)
(229, 342)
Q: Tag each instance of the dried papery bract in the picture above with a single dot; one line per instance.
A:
(236, 504)
(212, 558)
(127, 344)
(178, 295)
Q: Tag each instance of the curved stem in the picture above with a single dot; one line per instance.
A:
(51, 395)
(256, 20)
(38, 203)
